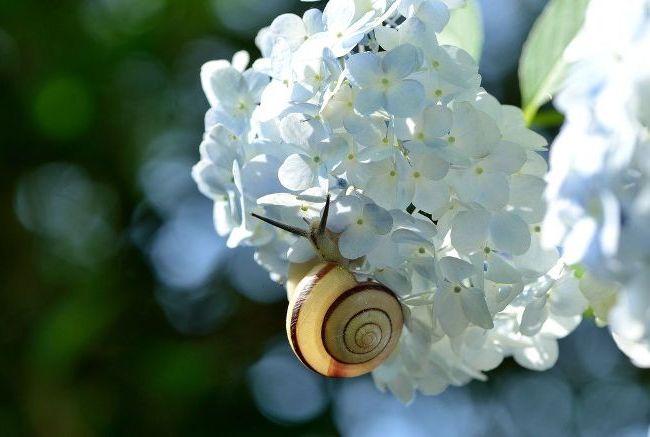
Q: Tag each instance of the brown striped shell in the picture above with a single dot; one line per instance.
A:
(338, 326)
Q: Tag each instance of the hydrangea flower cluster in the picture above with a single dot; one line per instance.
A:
(437, 188)
(599, 180)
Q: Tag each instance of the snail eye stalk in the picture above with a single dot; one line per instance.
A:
(323, 218)
(292, 229)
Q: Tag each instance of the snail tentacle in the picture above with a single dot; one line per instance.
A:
(292, 229)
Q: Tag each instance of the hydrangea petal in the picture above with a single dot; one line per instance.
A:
(364, 69)
(313, 19)
(432, 197)
(387, 192)
(297, 172)
(291, 28)
(491, 190)
(338, 14)
(405, 98)
(345, 210)
(369, 100)
(296, 129)
(428, 164)
(500, 271)
(537, 260)
(401, 61)
(449, 311)
(533, 317)
(356, 241)
(470, 230)
(387, 37)
(566, 299)
(301, 251)
(222, 83)
(541, 356)
(526, 192)
(509, 233)
(475, 307)
(434, 13)
(377, 218)
(436, 121)
(455, 269)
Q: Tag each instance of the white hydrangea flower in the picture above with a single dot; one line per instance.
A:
(599, 181)
(436, 187)
(383, 81)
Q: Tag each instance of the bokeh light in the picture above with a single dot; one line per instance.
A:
(185, 250)
(74, 214)
(247, 16)
(284, 390)
(8, 53)
(252, 281)
(112, 20)
(63, 108)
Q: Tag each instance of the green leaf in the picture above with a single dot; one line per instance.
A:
(542, 65)
(465, 29)
(547, 119)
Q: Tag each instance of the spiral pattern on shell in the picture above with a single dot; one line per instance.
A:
(339, 327)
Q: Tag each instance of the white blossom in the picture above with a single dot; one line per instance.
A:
(599, 182)
(436, 187)
(383, 81)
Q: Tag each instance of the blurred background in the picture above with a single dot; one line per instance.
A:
(122, 312)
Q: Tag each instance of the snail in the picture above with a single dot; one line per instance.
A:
(336, 325)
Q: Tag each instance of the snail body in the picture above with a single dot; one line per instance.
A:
(336, 325)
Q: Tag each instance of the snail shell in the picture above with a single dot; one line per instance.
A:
(337, 326)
